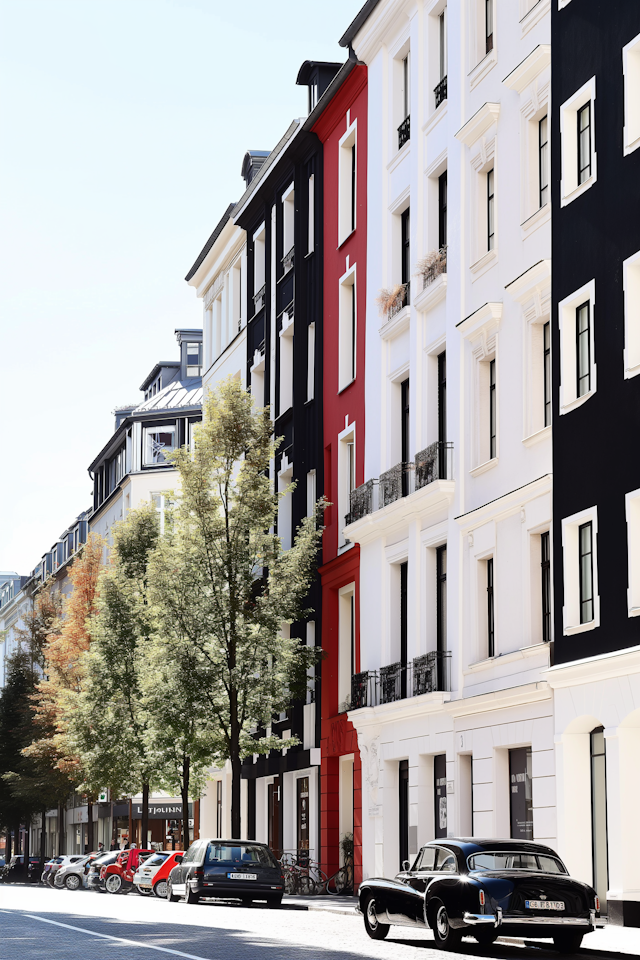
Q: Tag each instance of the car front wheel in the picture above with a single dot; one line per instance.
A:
(160, 889)
(375, 929)
(72, 882)
(113, 883)
(567, 942)
(446, 937)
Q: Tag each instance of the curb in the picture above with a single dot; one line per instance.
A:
(343, 911)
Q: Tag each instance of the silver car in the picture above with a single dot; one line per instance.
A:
(72, 875)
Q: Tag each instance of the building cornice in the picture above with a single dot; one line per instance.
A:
(605, 666)
(428, 499)
(482, 120)
(526, 71)
(505, 504)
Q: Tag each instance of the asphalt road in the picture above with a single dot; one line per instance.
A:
(44, 924)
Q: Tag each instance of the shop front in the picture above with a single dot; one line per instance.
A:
(165, 830)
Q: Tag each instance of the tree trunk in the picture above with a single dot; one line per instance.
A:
(145, 815)
(61, 843)
(186, 762)
(8, 849)
(27, 844)
(43, 840)
(89, 824)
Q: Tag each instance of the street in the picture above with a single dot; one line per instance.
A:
(59, 925)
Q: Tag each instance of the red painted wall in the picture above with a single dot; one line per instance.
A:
(338, 737)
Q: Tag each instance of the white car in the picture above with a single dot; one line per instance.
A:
(143, 877)
(72, 875)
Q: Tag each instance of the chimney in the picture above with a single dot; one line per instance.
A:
(253, 160)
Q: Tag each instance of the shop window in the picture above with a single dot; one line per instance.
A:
(521, 802)
(440, 795)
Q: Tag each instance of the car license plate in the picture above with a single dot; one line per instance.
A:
(242, 876)
(544, 904)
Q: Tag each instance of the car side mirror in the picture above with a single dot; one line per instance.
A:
(406, 865)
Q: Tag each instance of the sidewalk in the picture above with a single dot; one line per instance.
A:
(325, 903)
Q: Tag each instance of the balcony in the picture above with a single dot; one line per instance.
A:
(392, 301)
(435, 462)
(433, 265)
(258, 299)
(429, 673)
(287, 260)
(404, 132)
(441, 92)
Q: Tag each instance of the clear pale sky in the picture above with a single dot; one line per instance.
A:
(123, 124)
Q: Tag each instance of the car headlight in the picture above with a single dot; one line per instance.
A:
(597, 903)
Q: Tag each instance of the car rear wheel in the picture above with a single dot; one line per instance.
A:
(171, 896)
(113, 883)
(160, 889)
(72, 882)
(190, 896)
(446, 937)
(375, 929)
(567, 942)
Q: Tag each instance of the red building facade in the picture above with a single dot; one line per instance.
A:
(342, 128)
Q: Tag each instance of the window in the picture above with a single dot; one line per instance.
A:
(599, 839)
(346, 642)
(492, 411)
(285, 338)
(162, 503)
(347, 175)
(631, 70)
(442, 37)
(439, 797)
(259, 255)
(235, 277)
(404, 626)
(311, 360)
(631, 286)
(585, 546)
(311, 217)
(577, 137)
(488, 23)
(404, 130)
(347, 347)
(194, 359)
(442, 210)
(546, 347)
(581, 609)
(219, 824)
(490, 210)
(576, 318)
(584, 143)
(491, 645)
(545, 569)
(443, 472)
(288, 217)
(404, 434)
(632, 511)
(543, 162)
(158, 442)
(285, 478)
(441, 600)
(405, 251)
(346, 477)
(311, 492)
(406, 102)
(521, 798)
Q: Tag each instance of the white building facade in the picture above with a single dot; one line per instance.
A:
(453, 710)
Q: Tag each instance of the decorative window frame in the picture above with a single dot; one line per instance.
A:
(531, 17)
(569, 188)
(631, 74)
(346, 596)
(632, 513)
(480, 135)
(346, 335)
(569, 399)
(346, 436)
(571, 574)
(348, 140)
(533, 292)
(531, 79)
(480, 330)
(480, 62)
(631, 288)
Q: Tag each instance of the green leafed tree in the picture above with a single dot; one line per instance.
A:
(222, 586)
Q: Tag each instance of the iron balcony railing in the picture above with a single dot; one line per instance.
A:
(441, 92)
(437, 266)
(428, 673)
(287, 260)
(258, 298)
(404, 132)
(435, 462)
(402, 300)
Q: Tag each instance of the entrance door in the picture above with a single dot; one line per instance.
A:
(403, 810)
(302, 812)
(440, 794)
(599, 815)
(521, 806)
(273, 802)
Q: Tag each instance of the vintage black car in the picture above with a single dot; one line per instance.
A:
(485, 889)
(228, 869)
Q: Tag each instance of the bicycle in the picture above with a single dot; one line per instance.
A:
(342, 880)
(302, 875)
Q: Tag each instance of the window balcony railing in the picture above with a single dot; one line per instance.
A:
(435, 462)
(404, 132)
(287, 260)
(441, 92)
(429, 673)
(290, 310)
(433, 265)
(258, 298)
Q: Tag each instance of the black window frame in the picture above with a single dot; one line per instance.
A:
(493, 434)
(583, 336)
(585, 565)
(491, 196)
(441, 598)
(403, 811)
(543, 161)
(442, 210)
(404, 626)
(488, 25)
(584, 168)
(545, 585)
(546, 367)
(405, 426)
(491, 636)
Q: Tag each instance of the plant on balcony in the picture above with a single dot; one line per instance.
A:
(432, 265)
(391, 300)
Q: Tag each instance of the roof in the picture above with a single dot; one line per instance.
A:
(293, 129)
(311, 67)
(175, 364)
(210, 242)
(358, 21)
(178, 393)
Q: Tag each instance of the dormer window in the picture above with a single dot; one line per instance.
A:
(194, 359)
(158, 442)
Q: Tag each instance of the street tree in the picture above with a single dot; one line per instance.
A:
(222, 586)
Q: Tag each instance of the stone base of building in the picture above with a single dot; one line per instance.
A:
(624, 913)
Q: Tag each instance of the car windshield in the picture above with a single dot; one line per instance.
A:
(156, 859)
(239, 853)
(515, 860)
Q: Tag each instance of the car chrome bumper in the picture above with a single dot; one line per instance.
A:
(499, 919)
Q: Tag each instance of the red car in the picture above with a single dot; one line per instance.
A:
(118, 877)
(151, 878)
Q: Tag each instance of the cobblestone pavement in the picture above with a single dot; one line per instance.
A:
(43, 924)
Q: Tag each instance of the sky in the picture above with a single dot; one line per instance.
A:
(123, 124)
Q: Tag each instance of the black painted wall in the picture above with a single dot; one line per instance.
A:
(596, 450)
